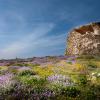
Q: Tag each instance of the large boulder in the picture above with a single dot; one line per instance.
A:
(84, 40)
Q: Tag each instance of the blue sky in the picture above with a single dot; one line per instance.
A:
(39, 27)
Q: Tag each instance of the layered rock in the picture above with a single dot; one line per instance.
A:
(84, 40)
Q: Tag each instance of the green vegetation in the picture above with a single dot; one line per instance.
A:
(77, 80)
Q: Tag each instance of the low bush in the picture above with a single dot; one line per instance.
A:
(82, 80)
(32, 81)
(92, 64)
(27, 72)
(85, 57)
(71, 91)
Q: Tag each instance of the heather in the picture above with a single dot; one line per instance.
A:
(51, 78)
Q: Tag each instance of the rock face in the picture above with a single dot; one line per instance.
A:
(84, 40)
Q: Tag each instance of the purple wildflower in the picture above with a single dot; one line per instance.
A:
(60, 79)
(5, 80)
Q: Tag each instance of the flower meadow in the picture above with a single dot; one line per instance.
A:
(68, 78)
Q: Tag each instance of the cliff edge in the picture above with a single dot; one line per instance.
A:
(84, 40)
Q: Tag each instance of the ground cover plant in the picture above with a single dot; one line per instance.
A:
(71, 78)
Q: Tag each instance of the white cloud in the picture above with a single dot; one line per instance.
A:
(27, 42)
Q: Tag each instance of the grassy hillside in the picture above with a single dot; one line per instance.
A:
(69, 78)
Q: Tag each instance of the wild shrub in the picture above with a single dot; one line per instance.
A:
(26, 72)
(86, 57)
(28, 79)
(71, 91)
(82, 80)
(92, 64)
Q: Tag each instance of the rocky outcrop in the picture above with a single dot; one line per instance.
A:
(84, 40)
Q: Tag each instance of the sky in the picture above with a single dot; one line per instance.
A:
(31, 28)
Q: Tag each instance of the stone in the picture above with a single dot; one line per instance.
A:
(84, 40)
